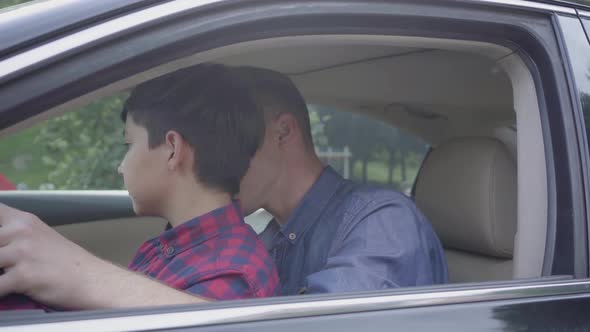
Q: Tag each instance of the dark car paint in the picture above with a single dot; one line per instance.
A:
(586, 22)
(534, 311)
(581, 4)
(563, 313)
(60, 18)
(577, 55)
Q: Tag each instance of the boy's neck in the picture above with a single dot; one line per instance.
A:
(187, 206)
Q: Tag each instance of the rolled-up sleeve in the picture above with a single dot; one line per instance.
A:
(387, 247)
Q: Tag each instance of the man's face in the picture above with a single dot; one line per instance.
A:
(144, 170)
(257, 185)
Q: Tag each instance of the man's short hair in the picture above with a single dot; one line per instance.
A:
(277, 94)
(213, 111)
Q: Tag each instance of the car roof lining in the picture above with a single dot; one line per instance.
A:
(375, 50)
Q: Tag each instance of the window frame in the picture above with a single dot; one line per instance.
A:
(109, 59)
(569, 26)
(580, 84)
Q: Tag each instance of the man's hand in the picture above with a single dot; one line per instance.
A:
(42, 264)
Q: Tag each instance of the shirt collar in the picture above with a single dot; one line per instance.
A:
(312, 205)
(199, 229)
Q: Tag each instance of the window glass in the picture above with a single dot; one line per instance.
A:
(79, 150)
(578, 49)
(365, 149)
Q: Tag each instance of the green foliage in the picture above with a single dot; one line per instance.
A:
(20, 159)
(9, 3)
(381, 154)
(84, 148)
(78, 150)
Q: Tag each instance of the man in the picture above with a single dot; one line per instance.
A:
(330, 236)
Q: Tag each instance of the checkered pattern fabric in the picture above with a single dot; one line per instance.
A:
(216, 256)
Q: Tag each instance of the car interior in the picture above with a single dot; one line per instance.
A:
(483, 185)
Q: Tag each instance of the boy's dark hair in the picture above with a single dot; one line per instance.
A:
(213, 111)
(276, 94)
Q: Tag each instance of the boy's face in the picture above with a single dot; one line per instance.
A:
(144, 171)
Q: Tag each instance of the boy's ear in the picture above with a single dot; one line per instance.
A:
(285, 128)
(176, 149)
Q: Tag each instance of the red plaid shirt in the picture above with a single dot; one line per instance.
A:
(216, 255)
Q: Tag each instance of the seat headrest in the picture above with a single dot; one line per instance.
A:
(467, 188)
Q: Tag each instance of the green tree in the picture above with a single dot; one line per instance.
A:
(375, 144)
(8, 3)
(358, 132)
(83, 148)
(318, 133)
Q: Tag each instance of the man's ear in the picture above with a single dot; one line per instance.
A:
(176, 149)
(286, 128)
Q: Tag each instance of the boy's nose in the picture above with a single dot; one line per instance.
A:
(120, 169)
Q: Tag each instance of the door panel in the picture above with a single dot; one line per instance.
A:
(102, 222)
(534, 304)
(544, 314)
(115, 240)
(70, 207)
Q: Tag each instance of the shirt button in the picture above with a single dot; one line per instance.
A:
(170, 250)
(292, 236)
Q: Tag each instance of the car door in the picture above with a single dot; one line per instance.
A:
(42, 75)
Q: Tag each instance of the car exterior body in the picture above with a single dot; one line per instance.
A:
(69, 51)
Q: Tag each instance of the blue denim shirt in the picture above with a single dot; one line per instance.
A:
(349, 237)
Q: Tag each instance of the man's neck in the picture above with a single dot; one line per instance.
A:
(189, 205)
(296, 181)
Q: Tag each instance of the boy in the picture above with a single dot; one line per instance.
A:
(190, 136)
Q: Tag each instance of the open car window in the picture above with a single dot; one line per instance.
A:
(79, 150)
(366, 150)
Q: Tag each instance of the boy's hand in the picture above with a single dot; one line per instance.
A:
(39, 262)
(42, 264)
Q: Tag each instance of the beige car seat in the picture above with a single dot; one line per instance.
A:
(467, 188)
